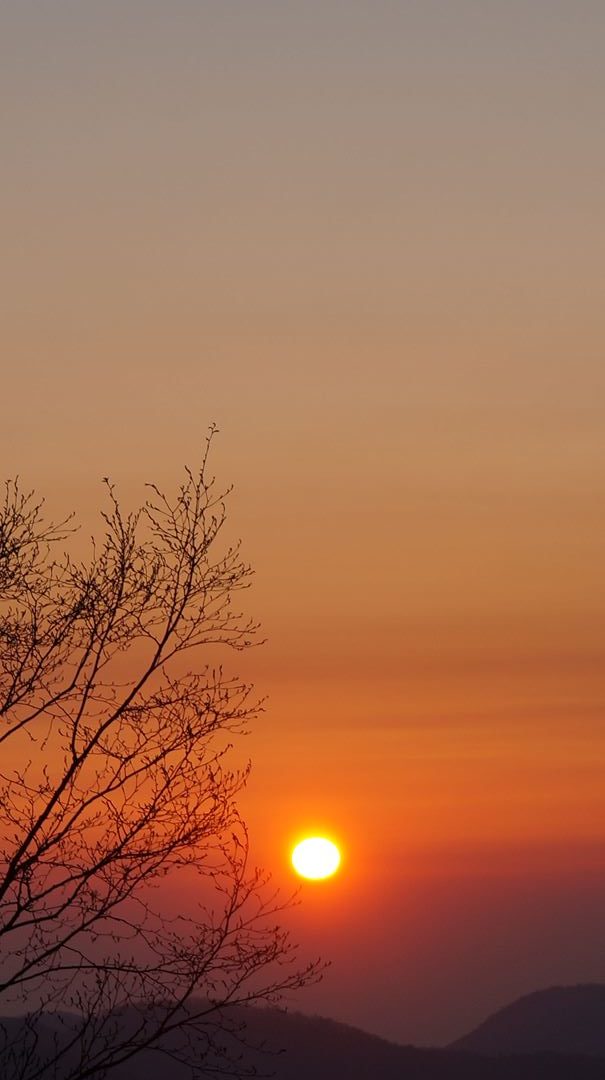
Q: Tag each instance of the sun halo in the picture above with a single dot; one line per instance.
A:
(316, 858)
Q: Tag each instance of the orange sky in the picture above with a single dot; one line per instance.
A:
(367, 241)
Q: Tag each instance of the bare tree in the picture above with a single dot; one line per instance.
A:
(114, 775)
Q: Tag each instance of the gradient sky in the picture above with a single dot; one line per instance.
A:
(365, 239)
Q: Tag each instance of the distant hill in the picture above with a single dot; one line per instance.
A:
(563, 1019)
(313, 1048)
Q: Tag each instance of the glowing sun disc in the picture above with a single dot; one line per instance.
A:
(316, 858)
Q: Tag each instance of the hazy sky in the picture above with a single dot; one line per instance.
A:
(367, 240)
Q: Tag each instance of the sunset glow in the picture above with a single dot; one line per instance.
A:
(364, 242)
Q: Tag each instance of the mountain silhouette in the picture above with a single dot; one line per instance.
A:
(562, 1019)
(298, 1047)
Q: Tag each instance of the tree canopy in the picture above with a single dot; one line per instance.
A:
(117, 722)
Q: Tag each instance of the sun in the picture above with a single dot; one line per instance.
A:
(316, 858)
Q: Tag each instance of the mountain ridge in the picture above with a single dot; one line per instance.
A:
(558, 1019)
(299, 1046)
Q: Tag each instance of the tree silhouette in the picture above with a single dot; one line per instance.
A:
(114, 774)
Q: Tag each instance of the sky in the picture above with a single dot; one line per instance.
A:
(366, 240)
